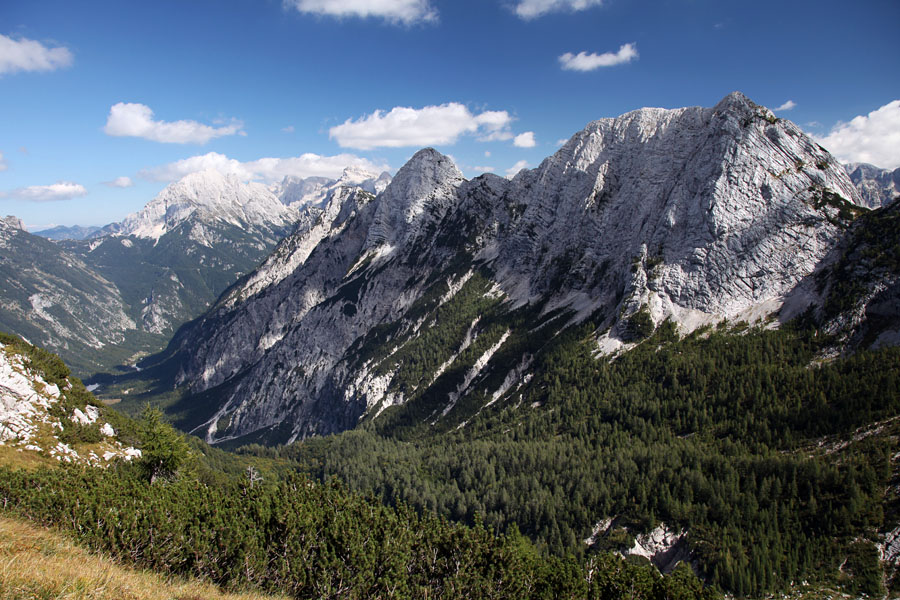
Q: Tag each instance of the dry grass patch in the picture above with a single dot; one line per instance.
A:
(36, 563)
(24, 459)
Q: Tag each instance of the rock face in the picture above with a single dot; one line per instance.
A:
(694, 214)
(877, 187)
(30, 421)
(12, 222)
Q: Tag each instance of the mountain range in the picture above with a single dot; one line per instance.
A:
(429, 296)
(120, 292)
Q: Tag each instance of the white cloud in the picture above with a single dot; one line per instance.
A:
(872, 138)
(787, 105)
(3, 165)
(288, 129)
(561, 141)
(525, 140)
(29, 55)
(265, 169)
(136, 120)
(428, 126)
(406, 12)
(61, 190)
(483, 169)
(530, 9)
(588, 62)
(120, 182)
(510, 172)
(487, 153)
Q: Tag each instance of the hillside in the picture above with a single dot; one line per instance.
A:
(56, 299)
(40, 563)
(201, 513)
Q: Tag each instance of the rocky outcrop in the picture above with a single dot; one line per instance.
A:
(30, 417)
(694, 214)
(12, 222)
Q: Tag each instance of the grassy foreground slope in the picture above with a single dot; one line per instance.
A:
(40, 563)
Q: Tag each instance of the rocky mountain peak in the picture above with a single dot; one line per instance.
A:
(423, 189)
(12, 222)
(211, 194)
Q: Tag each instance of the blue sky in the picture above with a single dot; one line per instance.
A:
(103, 103)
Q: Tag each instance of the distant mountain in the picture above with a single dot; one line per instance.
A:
(56, 299)
(299, 193)
(61, 232)
(877, 187)
(694, 215)
(175, 256)
(205, 197)
(120, 294)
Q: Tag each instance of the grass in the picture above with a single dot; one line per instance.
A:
(24, 459)
(37, 563)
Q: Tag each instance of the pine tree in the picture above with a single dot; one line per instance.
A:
(164, 450)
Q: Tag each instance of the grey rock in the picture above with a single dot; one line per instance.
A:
(693, 214)
(877, 187)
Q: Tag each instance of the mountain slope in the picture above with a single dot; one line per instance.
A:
(56, 299)
(44, 412)
(430, 292)
(108, 300)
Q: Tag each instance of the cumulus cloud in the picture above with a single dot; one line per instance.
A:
(267, 170)
(405, 12)
(3, 165)
(29, 55)
(136, 120)
(510, 172)
(525, 140)
(530, 9)
(588, 62)
(120, 182)
(61, 190)
(872, 138)
(787, 105)
(483, 169)
(428, 126)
